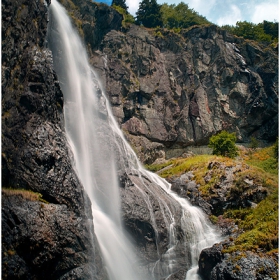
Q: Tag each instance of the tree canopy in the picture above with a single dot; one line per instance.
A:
(180, 16)
(261, 32)
(149, 14)
(120, 3)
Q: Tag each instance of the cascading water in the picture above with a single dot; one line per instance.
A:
(97, 144)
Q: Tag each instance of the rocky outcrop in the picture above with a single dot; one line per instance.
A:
(52, 238)
(214, 265)
(46, 241)
(170, 91)
(230, 187)
(177, 90)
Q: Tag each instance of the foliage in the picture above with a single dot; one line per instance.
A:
(254, 143)
(157, 167)
(180, 16)
(276, 149)
(262, 32)
(149, 14)
(259, 225)
(120, 3)
(223, 144)
(127, 17)
(182, 165)
(265, 159)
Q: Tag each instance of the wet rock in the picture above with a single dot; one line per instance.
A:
(147, 211)
(213, 265)
(186, 187)
(208, 259)
(46, 241)
(50, 239)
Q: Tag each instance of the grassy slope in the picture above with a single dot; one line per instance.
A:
(259, 224)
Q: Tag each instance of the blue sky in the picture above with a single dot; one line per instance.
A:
(224, 11)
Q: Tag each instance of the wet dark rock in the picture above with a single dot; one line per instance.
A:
(145, 212)
(51, 239)
(45, 241)
(186, 187)
(209, 258)
(214, 265)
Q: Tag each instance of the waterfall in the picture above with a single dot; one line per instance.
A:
(100, 151)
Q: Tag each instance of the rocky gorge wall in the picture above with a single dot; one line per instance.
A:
(176, 90)
(170, 91)
(47, 230)
(167, 91)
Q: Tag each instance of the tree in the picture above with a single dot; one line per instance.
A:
(261, 32)
(223, 144)
(180, 16)
(149, 14)
(120, 3)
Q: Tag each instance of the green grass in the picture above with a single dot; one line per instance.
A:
(26, 194)
(182, 165)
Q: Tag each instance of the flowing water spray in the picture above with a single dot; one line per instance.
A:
(96, 141)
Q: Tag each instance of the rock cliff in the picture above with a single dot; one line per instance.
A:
(50, 237)
(176, 90)
(168, 91)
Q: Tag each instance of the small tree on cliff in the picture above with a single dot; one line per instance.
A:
(120, 3)
(223, 144)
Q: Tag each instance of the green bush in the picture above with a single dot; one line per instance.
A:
(254, 143)
(223, 144)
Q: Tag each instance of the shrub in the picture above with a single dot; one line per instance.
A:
(276, 149)
(223, 144)
(254, 143)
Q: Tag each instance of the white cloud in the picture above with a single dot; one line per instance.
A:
(132, 6)
(265, 11)
(232, 16)
(201, 6)
(224, 12)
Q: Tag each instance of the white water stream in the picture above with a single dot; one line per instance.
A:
(95, 137)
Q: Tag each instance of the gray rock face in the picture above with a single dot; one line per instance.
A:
(214, 265)
(44, 240)
(178, 90)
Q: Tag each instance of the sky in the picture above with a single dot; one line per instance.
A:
(223, 12)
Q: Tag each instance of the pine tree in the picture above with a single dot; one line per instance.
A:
(149, 14)
(120, 3)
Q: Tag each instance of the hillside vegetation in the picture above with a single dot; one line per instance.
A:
(176, 17)
(255, 176)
